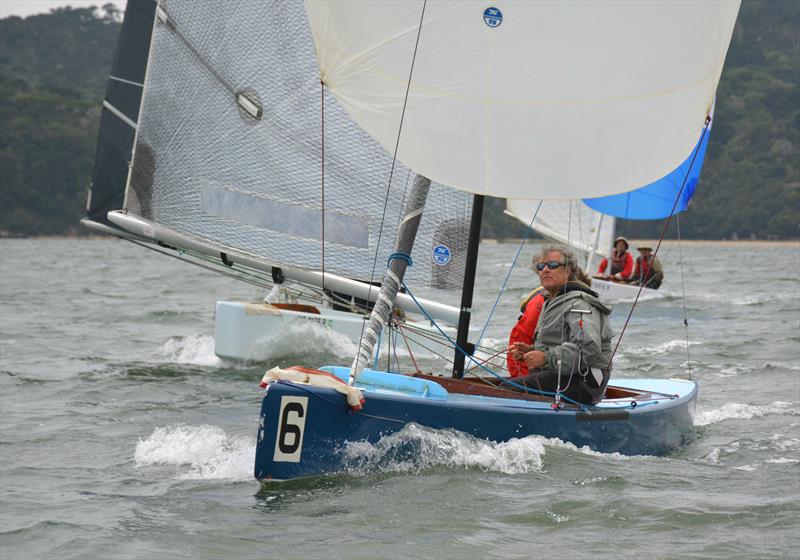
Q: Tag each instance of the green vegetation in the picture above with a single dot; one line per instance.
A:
(750, 185)
(53, 70)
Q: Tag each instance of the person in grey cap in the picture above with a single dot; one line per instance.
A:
(648, 270)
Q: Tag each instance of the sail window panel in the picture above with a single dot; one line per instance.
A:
(194, 140)
(284, 217)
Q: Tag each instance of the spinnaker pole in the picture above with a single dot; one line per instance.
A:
(393, 277)
(473, 244)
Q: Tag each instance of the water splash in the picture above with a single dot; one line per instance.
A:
(304, 339)
(193, 349)
(205, 451)
(737, 411)
(416, 448)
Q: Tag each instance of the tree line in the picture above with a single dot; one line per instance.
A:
(53, 70)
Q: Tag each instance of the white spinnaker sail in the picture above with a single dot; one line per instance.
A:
(570, 222)
(560, 99)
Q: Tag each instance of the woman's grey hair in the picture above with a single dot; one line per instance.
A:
(569, 259)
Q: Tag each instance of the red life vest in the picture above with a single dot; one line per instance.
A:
(525, 328)
(644, 269)
(619, 262)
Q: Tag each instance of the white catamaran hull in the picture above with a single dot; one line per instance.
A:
(616, 291)
(256, 331)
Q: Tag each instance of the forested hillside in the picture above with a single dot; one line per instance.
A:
(750, 184)
(53, 70)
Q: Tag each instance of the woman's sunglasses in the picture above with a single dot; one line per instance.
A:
(552, 265)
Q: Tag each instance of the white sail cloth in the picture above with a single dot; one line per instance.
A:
(558, 100)
(570, 222)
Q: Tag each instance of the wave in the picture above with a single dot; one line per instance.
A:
(416, 448)
(658, 349)
(747, 449)
(193, 349)
(736, 411)
(304, 339)
(205, 452)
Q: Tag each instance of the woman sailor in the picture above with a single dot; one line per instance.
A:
(571, 350)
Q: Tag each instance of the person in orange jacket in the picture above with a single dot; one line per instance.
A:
(523, 331)
(525, 328)
(621, 261)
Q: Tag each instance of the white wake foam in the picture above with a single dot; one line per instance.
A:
(194, 349)
(416, 448)
(205, 452)
(658, 349)
(304, 338)
(739, 411)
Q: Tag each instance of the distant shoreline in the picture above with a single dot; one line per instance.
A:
(793, 243)
(686, 242)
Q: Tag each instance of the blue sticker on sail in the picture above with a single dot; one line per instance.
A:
(493, 17)
(441, 255)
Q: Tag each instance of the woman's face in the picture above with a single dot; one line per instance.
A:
(619, 246)
(553, 280)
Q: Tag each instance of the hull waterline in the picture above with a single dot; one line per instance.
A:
(305, 431)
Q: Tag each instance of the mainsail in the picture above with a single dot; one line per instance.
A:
(120, 113)
(229, 152)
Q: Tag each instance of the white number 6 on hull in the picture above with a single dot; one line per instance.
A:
(291, 423)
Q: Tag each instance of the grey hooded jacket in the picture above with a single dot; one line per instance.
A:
(562, 338)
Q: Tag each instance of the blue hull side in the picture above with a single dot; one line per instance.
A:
(303, 429)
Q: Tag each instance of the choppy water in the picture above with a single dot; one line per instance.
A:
(123, 436)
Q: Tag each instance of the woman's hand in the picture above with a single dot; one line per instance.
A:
(534, 359)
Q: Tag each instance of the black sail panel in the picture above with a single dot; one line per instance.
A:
(120, 111)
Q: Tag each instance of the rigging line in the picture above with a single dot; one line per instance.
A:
(683, 297)
(203, 266)
(486, 369)
(242, 275)
(408, 346)
(394, 161)
(510, 270)
(660, 239)
(322, 142)
(172, 25)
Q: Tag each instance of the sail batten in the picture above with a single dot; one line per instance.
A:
(229, 151)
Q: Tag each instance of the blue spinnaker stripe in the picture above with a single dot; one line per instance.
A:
(656, 200)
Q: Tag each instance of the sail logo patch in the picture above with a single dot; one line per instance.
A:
(493, 17)
(441, 255)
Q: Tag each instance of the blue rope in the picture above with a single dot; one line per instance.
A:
(513, 264)
(483, 367)
(401, 256)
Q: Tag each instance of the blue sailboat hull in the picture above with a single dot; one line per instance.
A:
(303, 430)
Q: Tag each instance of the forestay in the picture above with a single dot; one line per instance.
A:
(229, 151)
(529, 99)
